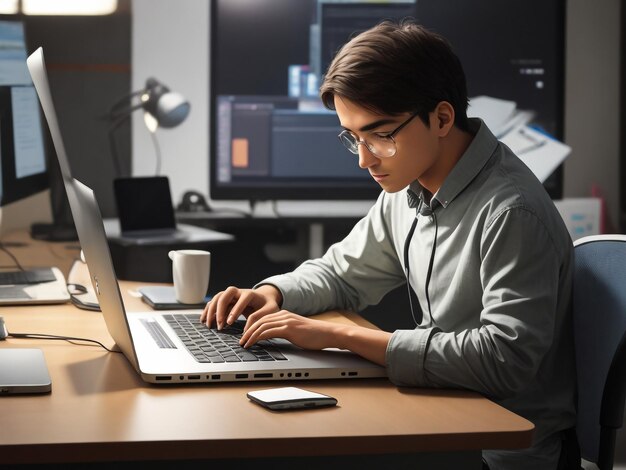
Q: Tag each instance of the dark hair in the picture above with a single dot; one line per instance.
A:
(396, 68)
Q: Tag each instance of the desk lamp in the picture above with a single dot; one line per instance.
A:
(162, 108)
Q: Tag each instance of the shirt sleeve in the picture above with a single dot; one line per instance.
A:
(354, 273)
(520, 273)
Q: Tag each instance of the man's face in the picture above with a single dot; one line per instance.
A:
(417, 145)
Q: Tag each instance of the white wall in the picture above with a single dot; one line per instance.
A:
(170, 42)
(592, 100)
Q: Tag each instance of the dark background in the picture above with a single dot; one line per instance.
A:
(88, 61)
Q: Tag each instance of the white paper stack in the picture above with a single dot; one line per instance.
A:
(539, 151)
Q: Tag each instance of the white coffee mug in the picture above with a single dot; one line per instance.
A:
(190, 269)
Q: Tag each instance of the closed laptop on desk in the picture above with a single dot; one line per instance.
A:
(23, 370)
(168, 347)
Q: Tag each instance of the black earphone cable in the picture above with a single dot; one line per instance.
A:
(11, 255)
(69, 339)
(421, 210)
(431, 262)
(407, 244)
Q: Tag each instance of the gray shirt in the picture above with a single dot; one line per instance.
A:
(496, 306)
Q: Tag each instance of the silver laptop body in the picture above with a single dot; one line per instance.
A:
(23, 370)
(134, 332)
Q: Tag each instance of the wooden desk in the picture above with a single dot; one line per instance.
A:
(100, 411)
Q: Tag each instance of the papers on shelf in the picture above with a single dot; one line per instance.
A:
(495, 112)
(540, 152)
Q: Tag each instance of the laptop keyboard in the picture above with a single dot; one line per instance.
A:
(218, 346)
(32, 276)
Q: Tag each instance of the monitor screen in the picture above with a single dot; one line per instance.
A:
(22, 155)
(271, 138)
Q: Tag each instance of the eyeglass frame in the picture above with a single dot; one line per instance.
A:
(355, 148)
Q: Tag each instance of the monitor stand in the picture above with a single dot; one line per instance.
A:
(53, 232)
(62, 227)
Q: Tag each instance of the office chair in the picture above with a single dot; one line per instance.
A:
(599, 311)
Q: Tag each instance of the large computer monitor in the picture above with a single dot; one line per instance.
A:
(272, 139)
(22, 156)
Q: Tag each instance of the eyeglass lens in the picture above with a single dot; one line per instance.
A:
(378, 145)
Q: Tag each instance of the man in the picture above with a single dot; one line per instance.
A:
(460, 219)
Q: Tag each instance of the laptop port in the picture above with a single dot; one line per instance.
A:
(241, 376)
(216, 377)
(265, 375)
(193, 377)
(163, 377)
(352, 374)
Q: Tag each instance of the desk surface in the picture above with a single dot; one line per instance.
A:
(100, 410)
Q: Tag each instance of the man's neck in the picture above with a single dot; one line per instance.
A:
(453, 146)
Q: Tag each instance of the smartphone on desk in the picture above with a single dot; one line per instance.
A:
(290, 398)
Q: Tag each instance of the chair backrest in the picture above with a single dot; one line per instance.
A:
(599, 311)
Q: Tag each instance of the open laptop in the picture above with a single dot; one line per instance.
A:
(145, 209)
(152, 341)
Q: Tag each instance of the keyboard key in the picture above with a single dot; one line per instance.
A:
(276, 354)
(247, 357)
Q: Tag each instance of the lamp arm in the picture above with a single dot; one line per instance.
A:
(113, 144)
(121, 105)
(124, 113)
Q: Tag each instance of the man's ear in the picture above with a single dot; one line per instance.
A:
(443, 118)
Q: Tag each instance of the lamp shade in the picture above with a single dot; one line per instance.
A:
(167, 107)
(161, 107)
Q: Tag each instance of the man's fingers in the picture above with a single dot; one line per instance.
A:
(258, 314)
(244, 301)
(228, 305)
(208, 314)
(265, 319)
(266, 330)
(204, 313)
(224, 304)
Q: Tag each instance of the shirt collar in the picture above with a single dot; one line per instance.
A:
(414, 194)
(466, 169)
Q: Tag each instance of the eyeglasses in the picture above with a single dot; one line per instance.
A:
(380, 145)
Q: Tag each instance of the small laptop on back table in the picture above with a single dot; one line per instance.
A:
(145, 209)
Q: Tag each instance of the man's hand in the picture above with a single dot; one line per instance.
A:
(226, 306)
(309, 333)
(301, 331)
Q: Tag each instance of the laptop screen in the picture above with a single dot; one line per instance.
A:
(144, 203)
